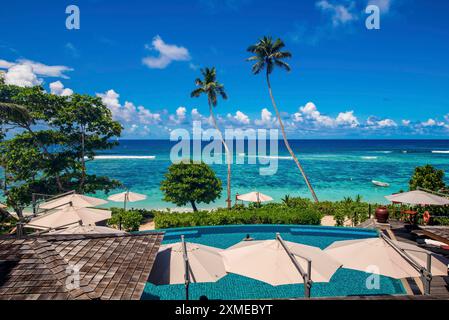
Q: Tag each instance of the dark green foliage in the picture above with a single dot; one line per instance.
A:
(298, 211)
(241, 216)
(268, 55)
(427, 177)
(188, 182)
(130, 219)
(54, 137)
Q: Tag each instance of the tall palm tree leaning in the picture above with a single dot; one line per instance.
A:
(212, 88)
(268, 55)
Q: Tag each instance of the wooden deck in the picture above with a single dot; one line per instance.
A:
(439, 287)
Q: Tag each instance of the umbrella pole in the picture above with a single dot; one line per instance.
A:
(306, 276)
(186, 267)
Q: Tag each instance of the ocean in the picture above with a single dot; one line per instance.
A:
(336, 168)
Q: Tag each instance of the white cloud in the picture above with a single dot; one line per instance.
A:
(432, 123)
(297, 117)
(22, 76)
(167, 54)
(179, 117)
(6, 64)
(266, 118)
(384, 5)
(25, 72)
(347, 119)
(339, 13)
(386, 123)
(446, 117)
(310, 112)
(195, 114)
(128, 113)
(405, 122)
(58, 89)
(239, 118)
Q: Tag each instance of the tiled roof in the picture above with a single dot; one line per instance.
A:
(110, 266)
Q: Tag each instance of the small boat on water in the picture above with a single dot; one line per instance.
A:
(380, 183)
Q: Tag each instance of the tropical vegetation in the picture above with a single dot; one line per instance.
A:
(427, 177)
(190, 183)
(210, 87)
(52, 137)
(268, 55)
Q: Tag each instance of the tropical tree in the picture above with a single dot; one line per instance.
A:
(427, 177)
(190, 183)
(51, 139)
(212, 89)
(268, 54)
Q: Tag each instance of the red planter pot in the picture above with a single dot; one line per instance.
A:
(382, 214)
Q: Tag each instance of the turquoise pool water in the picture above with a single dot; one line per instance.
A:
(345, 282)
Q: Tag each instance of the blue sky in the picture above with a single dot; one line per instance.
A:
(142, 58)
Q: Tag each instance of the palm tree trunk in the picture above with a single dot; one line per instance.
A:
(228, 158)
(287, 145)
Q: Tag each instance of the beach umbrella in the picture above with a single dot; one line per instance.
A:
(127, 196)
(418, 197)
(268, 261)
(254, 197)
(67, 216)
(76, 200)
(89, 229)
(205, 264)
(375, 255)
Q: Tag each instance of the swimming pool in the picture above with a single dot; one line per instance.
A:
(345, 282)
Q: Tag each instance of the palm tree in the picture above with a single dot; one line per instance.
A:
(268, 55)
(212, 88)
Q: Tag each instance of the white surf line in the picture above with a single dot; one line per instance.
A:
(441, 151)
(271, 157)
(123, 157)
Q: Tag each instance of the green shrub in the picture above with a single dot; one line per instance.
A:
(264, 215)
(130, 220)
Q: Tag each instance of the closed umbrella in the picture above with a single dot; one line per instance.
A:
(76, 200)
(127, 196)
(206, 264)
(268, 261)
(418, 197)
(375, 255)
(67, 216)
(254, 197)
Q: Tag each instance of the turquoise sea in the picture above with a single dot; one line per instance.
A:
(336, 168)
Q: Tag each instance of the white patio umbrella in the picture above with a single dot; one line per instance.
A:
(127, 196)
(67, 216)
(206, 264)
(89, 229)
(418, 197)
(254, 197)
(268, 261)
(76, 200)
(375, 255)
